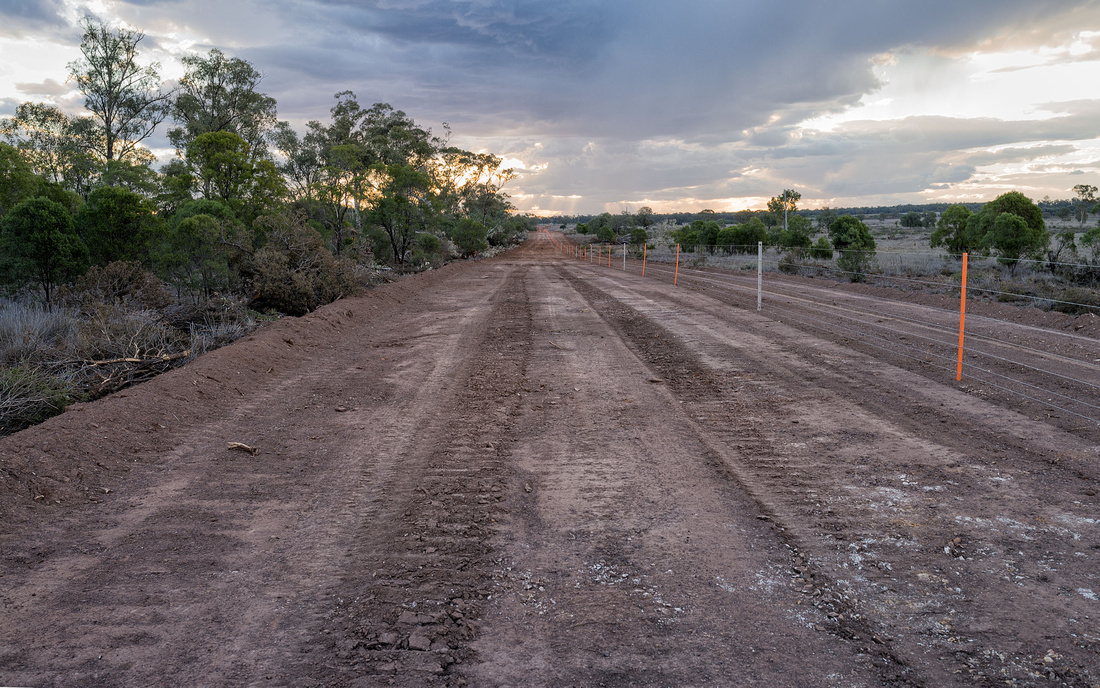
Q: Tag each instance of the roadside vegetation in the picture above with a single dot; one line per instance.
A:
(112, 271)
(1045, 254)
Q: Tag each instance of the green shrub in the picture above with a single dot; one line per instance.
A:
(469, 237)
(294, 273)
(118, 224)
(743, 238)
(856, 245)
(822, 250)
(39, 246)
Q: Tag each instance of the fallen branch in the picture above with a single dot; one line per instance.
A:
(148, 360)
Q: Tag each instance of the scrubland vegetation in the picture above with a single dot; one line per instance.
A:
(112, 270)
(1045, 254)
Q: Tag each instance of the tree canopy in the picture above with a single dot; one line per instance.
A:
(286, 218)
(38, 243)
(218, 94)
(951, 231)
(124, 96)
(1021, 235)
(852, 238)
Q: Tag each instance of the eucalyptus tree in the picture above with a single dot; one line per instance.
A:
(404, 208)
(852, 238)
(219, 94)
(343, 166)
(825, 217)
(18, 181)
(783, 205)
(118, 224)
(465, 181)
(951, 231)
(124, 96)
(221, 166)
(59, 147)
(299, 159)
(1086, 199)
(1011, 226)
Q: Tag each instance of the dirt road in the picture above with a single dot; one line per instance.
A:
(532, 471)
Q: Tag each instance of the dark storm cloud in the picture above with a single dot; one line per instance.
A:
(522, 28)
(706, 71)
(638, 69)
(25, 14)
(643, 99)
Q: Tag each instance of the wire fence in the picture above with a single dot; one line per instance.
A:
(1071, 290)
(1055, 369)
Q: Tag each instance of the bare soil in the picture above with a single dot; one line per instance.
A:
(535, 471)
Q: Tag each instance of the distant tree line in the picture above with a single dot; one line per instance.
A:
(1011, 228)
(248, 206)
(908, 215)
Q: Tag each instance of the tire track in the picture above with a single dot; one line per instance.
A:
(412, 591)
(878, 508)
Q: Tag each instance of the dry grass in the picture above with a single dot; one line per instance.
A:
(50, 358)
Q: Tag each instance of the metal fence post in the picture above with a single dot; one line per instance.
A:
(759, 274)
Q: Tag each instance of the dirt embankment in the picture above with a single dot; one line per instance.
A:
(530, 471)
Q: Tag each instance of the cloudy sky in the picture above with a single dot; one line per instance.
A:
(680, 105)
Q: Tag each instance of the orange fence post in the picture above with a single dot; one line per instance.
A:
(644, 247)
(962, 323)
(676, 276)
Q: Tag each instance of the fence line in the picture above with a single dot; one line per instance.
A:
(782, 296)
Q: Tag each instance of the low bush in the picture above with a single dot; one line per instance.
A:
(30, 394)
(294, 273)
(123, 283)
(111, 331)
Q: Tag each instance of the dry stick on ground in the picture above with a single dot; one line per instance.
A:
(150, 359)
(116, 373)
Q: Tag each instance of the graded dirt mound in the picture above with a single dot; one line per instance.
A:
(534, 471)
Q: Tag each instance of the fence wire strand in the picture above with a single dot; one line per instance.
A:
(926, 357)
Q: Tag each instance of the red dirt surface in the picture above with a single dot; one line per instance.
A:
(534, 471)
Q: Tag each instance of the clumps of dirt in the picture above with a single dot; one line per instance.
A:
(82, 455)
(412, 618)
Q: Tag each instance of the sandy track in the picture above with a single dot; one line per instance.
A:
(531, 471)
